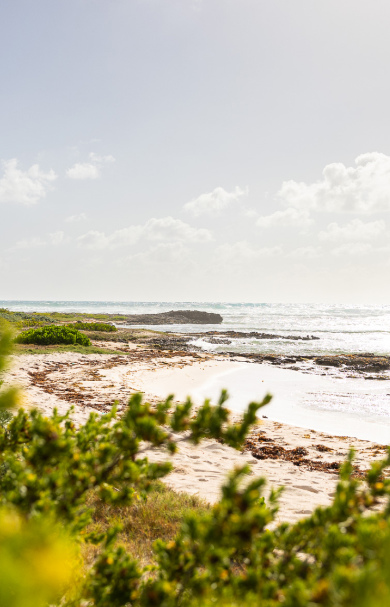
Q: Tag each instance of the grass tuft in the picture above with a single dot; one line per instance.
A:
(158, 517)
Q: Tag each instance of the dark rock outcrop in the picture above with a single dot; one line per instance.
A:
(255, 335)
(356, 362)
(175, 317)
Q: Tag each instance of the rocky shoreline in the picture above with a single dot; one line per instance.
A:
(367, 365)
(215, 336)
(174, 317)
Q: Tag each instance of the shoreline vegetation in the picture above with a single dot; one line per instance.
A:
(367, 365)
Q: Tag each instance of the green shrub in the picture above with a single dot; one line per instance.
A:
(53, 335)
(94, 326)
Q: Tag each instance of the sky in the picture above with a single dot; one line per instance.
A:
(195, 150)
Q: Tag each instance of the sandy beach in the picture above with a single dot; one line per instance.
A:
(304, 461)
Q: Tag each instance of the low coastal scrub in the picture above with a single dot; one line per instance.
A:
(94, 326)
(25, 319)
(84, 316)
(38, 319)
(53, 335)
(74, 502)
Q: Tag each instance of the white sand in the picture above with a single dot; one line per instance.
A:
(100, 379)
(202, 470)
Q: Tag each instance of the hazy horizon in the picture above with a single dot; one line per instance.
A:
(194, 302)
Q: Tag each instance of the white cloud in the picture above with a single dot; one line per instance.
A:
(57, 237)
(243, 251)
(289, 217)
(29, 243)
(35, 242)
(364, 188)
(99, 240)
(165, 229)
(24, 187)
(164, 253)
(85, 170)
(214, 202)
(305, 253)
(95, 158)
(354, 249)
(76, 218)
(89, 170)
(93, 240)
(251, 213)
(354, 230)
(168, 228)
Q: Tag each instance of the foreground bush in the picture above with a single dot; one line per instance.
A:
(9, 397)
(94, 326)
(53, 335)
(226, 556)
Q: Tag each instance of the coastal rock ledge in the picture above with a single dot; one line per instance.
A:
(175, 317)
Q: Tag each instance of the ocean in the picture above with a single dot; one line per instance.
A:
(340, 328)
(345, 406)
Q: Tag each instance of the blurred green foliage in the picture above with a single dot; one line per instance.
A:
(9, 397)
(38, 561)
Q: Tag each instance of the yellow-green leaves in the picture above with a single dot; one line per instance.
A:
(37, 561)
(9, 397)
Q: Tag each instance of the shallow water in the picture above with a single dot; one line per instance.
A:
(344, 407)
